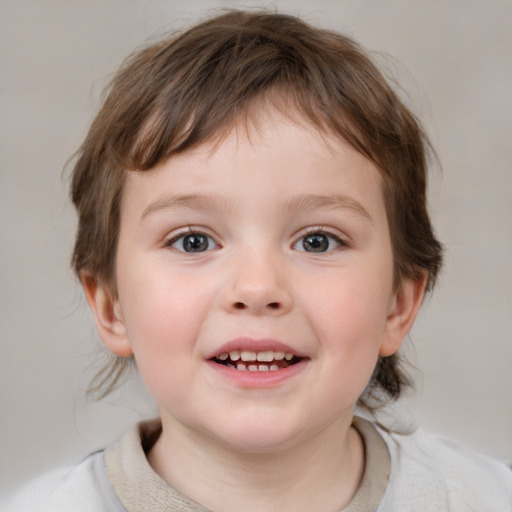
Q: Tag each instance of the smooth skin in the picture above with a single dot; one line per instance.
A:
(277, 234)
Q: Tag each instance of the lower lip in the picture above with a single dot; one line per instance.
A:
(265, 379)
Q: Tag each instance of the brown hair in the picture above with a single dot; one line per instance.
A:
(195, 86)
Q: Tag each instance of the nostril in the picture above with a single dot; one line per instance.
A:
(258, 307)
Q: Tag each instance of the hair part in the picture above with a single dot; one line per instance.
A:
(196, 86)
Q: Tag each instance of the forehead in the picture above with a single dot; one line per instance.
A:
(274, 165)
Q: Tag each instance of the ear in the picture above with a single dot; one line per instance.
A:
(107, 313)
(404, 307)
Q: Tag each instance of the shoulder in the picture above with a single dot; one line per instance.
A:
(84, 487)
(436, 473)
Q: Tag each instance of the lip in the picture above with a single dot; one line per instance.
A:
(265, 379)
(257, 379)
(254, 345)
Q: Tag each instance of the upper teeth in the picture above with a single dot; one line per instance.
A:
(264, 355)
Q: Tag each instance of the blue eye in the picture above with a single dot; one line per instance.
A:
(317, 242)
(193, 243)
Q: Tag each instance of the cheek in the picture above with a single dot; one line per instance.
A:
(349, 318)
(162, 317)
(350, 309)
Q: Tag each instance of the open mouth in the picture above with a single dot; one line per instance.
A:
(262, 361)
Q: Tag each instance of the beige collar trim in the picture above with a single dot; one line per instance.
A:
(140, 488)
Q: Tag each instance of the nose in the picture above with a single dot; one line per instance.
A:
(258, 286)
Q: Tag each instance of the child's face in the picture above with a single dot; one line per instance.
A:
(274, 243)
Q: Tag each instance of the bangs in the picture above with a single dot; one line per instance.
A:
(173, 101)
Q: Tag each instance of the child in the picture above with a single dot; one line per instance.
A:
(253, 233)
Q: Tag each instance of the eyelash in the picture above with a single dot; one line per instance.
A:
(309, 232)
(190, 232)
(325, 231)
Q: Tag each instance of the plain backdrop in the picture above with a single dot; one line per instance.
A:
(452, 59)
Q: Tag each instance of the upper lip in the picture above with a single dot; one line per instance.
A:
(254, 345)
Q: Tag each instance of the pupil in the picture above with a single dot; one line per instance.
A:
(316, 243)
(195, 243)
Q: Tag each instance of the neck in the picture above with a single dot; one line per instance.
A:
(321, 472)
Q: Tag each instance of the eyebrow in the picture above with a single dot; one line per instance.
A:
(191, 201)
(317, 202)
(308, 202)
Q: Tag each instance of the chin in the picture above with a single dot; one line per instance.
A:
(258, 444)
(259, 435)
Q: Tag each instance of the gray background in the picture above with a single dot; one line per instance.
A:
(453, 59)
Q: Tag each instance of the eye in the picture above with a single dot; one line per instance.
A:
(318, 241)
(193, 243)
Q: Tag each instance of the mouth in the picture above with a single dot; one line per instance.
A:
(256, 361)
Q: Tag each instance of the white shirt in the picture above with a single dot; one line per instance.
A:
(413, 472)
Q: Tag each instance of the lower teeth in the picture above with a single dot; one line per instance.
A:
(253, 367)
